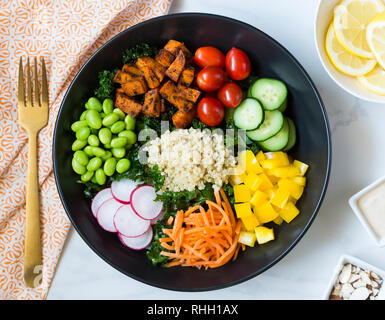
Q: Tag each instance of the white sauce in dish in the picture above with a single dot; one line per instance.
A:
(372, 206)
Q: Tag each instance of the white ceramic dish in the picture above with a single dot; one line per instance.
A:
(353, 202)
(344, 259)
(324, 15)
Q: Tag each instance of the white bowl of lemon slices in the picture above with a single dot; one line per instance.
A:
(350, 40)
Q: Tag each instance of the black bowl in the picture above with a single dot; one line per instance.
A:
(269, 59)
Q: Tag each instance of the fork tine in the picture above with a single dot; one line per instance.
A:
(44, 85)
(29, 85)
(36, 102)
(20, 94)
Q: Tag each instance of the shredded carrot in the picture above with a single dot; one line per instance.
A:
(203, 238)
(170, 220)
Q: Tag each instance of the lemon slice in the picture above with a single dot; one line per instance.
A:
(343, 60)
(375, 34)
(350, 20)
(374, 81)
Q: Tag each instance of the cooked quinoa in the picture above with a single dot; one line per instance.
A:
(189, 158)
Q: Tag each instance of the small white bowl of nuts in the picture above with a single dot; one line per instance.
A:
(354, 279)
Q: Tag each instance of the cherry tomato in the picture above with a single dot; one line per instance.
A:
(230, 94)
(209, 57)
(237, 64)
(210, 111)
(210, 78)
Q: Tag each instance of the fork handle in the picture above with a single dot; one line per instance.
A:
(32, 245)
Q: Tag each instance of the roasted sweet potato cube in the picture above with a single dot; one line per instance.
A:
(182, 119)
(189, 94)
(176, 68)
(151, 79)
(127, 105)
(174, 46)
(187, 77)
(121, 77)
(151, 105)
(164, 57)
(132, 69)
(171, 93)
(156, 67)
(134, 88)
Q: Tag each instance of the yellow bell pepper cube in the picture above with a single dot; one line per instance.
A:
(280, 172)
(260, 156)
(289, 212)
(253, 182)
(279, 155)
(265, 213)
(280, 197)
(241, 193)
(247, 238)
(271, 163)
(250, 222)
(238, 176)
(270, 193)
(293, 171)
(301, 166)
(278, 220)
(247, 160)
(299, 180)
(243, 209)
(258, 198)
(290, 186)
(266, 183)
(264, 234)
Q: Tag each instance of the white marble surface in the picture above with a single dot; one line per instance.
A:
(358, 158)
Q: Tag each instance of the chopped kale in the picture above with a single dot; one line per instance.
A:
(140, 50)
(106, 86)
(154, 249)
(246, 83)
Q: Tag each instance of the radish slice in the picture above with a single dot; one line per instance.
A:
(106, 213)
(121, 190)
(158, 218)
(99, 198)
(143, 202)
(128, 223)
(137, 243)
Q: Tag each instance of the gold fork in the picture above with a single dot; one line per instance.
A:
(33, 116)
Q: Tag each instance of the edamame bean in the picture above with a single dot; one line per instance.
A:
(109, 166)
(102, 114)
(130, 122)
(123, 165)
(77, 167)
(98, 152)
(120, 113)
(105, 135)
(83, 133)
(129, 135)
(89, 151)
(108, 106)
(93, 140)
(78, 144)
(94, 164)
(87, 176)
(93, 180)
(107, 146)
(81, 157)
(110, 119)
(118, 127)
(118, 142)
(118, 152)
(87, 105)
(94, 104)
(107, 155)
(78, 125)
(83, 115)
(93, 119)
(100, 176)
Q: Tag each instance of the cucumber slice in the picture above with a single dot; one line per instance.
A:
(249, 114)
(272, 124)
(292, 135)
(279, 141)
(283, 106)
(270, 92)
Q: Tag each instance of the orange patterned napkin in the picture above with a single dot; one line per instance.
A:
(66, 33)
